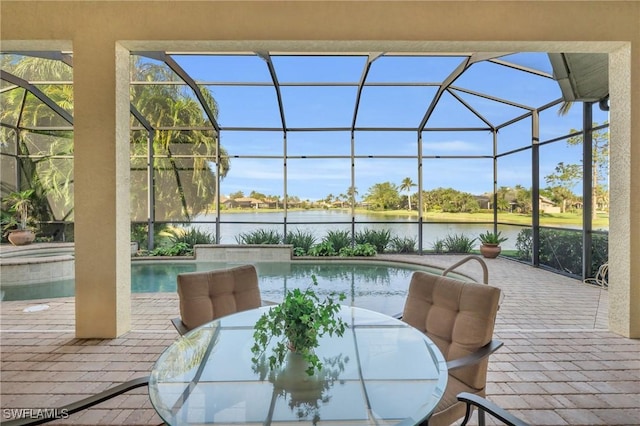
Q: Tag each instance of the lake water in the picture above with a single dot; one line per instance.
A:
(319, 222)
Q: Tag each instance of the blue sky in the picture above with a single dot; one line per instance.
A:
(400, 106)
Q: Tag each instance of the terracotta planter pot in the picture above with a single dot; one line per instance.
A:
(490, 251)
(21, 237)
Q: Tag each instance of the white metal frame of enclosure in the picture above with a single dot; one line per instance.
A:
(445, 86)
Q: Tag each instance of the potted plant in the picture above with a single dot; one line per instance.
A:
(19, 204)
(490, 247)
(298, 322)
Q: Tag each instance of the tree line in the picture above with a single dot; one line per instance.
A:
(559, 190)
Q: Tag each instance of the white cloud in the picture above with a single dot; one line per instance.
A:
(454, 147)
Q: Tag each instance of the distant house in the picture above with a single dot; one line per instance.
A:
(252, 203)
(294, 204)
(243, 203)
(484, 201)
(268, 203)
(548, 206)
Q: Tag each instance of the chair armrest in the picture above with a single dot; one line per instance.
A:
(486, 406)
(476, 356)
(83, 404)
(179, 325)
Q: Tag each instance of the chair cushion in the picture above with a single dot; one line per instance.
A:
(205, 296)
(458, 316)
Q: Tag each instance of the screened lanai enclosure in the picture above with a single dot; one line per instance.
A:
(431, 148)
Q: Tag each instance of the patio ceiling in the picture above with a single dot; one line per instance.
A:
(581, 76)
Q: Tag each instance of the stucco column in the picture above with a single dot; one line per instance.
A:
(624, 221)
(101, 190)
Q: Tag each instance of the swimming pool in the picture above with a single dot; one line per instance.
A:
(379, 286)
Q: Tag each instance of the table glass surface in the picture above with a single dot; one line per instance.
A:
(380, 372)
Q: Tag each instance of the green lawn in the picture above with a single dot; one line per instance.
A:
(516, 218)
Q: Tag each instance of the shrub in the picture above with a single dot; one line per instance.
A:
(299, 251)
(338, 239)
(171, 241)
(377, 238)
(458, 243)
(325, 248)
(599, 251)
(301, 241)
(139, 233)
(191, 236)
(346, 252)
(453, 244)
(259, 236)
(403, 245)
(438, 246)
(524, 245)
(562, 249)
(177, 249)
(365, 249)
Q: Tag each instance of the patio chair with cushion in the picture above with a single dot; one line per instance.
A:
(205, 296)
(459, 318)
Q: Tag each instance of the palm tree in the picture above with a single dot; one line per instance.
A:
(184, 159)
(599, 161)
(329, 199)
(342, 198)
(351, 195)
(184, 187)
(21, 204)
(565, 107)
(50, 172)
(275, 198)
(503, 203)
(523, 198)
(406, 185)
(600, 153)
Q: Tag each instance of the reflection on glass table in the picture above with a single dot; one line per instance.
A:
(380, 372)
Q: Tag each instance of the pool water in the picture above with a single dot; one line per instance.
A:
(378, 286)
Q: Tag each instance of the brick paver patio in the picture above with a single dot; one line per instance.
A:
(559, 365)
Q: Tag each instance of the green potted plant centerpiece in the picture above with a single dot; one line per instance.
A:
(298, 322)
(20, 205)
(490, 247)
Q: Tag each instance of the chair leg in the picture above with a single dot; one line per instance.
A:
(480, 417)
(467, 415)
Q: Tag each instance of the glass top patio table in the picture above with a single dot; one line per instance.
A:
(380, 372)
